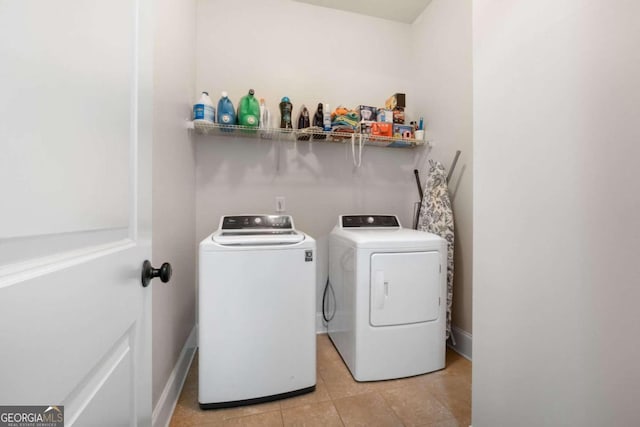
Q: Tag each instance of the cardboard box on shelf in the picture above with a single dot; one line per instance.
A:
(396, 100)
(384, 115)
(381, 129)
(398, 115)
(366, 113)
(365, 127)
(402, 131)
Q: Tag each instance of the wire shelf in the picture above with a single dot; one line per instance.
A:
(312, 134)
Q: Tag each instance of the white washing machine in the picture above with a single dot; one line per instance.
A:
(390, 297)
(256, 312)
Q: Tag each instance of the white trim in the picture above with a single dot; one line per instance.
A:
(463, 342)
(166, 404)
(23, 271)
(321, 326)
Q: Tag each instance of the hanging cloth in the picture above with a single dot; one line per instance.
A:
(436, 216)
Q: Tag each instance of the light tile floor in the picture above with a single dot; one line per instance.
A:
(438, 399)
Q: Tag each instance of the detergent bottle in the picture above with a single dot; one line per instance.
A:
(226, 112)
(318, 119)
(204, 111)
(303, 118)
(249, 110)
(303, 122)
(285, 113)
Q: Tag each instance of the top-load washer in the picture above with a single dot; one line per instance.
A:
(390, 297)
(256, 311)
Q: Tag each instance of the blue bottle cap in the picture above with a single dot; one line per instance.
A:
(285, 99)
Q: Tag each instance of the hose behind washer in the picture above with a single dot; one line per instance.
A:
(328, 287)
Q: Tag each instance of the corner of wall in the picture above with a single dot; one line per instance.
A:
(463, 342)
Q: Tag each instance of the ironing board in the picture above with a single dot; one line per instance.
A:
(436, 216)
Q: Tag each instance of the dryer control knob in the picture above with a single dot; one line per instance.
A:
(370, 220)
(258, 220)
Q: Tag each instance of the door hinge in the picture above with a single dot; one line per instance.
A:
(440, 268)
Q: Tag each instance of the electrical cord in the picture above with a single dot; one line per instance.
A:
(328, 288)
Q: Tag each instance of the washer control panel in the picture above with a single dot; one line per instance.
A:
(252, 222)
(364, 221)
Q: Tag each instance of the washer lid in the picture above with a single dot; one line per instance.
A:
(257, 230)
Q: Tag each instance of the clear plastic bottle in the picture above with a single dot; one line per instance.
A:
(265, 115)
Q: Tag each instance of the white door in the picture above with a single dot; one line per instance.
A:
(405, 288)
(75, 152)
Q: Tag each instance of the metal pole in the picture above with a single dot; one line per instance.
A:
(453, 165)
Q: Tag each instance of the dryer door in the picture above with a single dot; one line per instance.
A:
(404, 288)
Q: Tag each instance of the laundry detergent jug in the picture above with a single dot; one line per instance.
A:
(226, 112)
(204, 111)
(249, 110)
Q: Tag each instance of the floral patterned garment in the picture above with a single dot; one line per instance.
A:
(436, 216)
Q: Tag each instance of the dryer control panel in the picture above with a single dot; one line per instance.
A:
(369, 221)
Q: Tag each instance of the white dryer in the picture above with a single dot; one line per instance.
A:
(390, 297)
(256, 312)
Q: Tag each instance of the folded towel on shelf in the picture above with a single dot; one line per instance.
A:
(342, 116)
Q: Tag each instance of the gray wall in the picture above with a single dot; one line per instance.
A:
(319, 181)
(441, 54)
(324, 64)
(173, 184)
(556, 222)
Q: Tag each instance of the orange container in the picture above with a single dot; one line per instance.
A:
(381, 129)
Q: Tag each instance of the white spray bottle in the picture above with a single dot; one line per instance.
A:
(326, 118)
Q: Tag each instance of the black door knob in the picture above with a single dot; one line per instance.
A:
(148, 272)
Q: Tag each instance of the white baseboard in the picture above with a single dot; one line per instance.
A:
(321, 326)
(166, 404)
(463, 342)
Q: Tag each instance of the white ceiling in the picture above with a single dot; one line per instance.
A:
(396, 10)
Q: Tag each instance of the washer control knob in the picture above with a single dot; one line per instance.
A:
(370, 220)
(257, 220)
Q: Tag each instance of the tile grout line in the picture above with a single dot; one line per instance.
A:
(337, 411)
(459, 377)
(391, 407)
